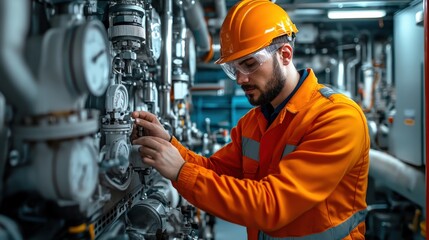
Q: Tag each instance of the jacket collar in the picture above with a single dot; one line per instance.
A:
(302, 96)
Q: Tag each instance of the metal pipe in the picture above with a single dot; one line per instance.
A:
(194, 15)
(352, 64)
(221, 11)
(18, 84)
(400, 177)
(166, 55)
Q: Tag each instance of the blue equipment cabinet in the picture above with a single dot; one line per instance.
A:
(223, 111)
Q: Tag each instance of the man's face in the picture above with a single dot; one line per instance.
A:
(258, 89)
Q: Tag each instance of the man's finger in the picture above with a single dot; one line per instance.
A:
(148, 152)
(148, 161)
(160, 140)
(145, 116)
(147, 141)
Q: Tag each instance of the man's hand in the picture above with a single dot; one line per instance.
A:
(160, 154)
(151, 125)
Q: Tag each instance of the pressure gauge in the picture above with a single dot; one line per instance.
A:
(117, 98)
(90, 58)
(120, 150)
(76, 169)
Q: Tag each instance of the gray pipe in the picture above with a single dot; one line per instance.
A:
(398, 176)
(221, 11)
(194, 15)
(18, 84)
(165, 81)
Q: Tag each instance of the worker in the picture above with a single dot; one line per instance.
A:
(297, 164)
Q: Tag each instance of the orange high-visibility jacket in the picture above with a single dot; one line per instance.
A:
(304, 176)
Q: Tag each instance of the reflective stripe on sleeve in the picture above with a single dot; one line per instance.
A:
(250, 148)
(288, 149)
(338, 232)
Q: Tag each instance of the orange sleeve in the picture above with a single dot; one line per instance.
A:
(332, 145)
(226, 161)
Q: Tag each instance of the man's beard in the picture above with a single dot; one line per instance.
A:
(272, 88)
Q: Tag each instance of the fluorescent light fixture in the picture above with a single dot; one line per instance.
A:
(355, 14)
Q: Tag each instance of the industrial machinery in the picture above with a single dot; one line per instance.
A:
(73, 71)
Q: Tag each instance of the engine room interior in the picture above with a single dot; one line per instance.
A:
(73, 71)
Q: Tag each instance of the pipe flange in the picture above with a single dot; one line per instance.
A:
(57, 126)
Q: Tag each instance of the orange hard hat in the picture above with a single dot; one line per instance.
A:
(251, 25)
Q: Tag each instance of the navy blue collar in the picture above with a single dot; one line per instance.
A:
(270, 113)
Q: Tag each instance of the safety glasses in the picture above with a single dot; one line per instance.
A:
(250, 63)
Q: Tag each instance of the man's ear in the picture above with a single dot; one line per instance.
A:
(286, 53)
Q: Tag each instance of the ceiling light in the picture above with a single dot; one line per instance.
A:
(353, 14)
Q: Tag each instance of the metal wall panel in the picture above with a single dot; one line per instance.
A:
(406, 138)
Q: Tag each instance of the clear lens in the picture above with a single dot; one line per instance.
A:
(229, 69)
(249, 63)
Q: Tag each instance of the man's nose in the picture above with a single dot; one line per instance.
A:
(241, 78)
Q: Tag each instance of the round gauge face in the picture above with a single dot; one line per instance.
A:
(120, 99)
(96, 60)
(83, 172)
(92, 58)
(117, 98)
(120, 150)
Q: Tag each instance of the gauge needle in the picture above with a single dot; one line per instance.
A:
(82, 177)
(99, 54)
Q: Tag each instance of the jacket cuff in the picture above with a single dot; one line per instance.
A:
(186, 180)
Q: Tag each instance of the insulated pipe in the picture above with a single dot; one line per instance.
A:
(166, 56)
(398, 176)
(18, 84)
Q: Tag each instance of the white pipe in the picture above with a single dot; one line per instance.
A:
(17, 84)
(398, 176)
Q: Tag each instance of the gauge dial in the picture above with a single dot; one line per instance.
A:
(121, 151)
(76, 169)
(117, 98)
(91, 58)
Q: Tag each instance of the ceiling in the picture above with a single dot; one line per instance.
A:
(316, 10)
(311, 15)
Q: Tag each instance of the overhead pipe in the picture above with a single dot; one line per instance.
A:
(221, 11)
(194, 15)
(18, 84)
